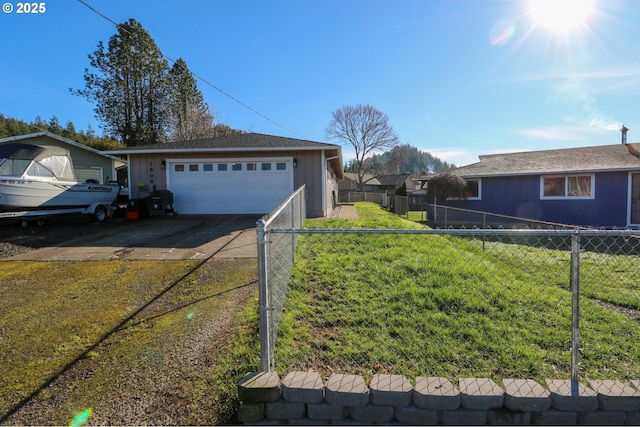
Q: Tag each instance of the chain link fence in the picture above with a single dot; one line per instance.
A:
(359, 196)
(527, 303)
(276, 255)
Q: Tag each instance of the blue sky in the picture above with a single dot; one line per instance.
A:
(457, 78)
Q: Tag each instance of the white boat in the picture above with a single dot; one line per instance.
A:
(40, 180)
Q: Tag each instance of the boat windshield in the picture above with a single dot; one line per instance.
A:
(60, 166)
(37, 169)
(13, 167)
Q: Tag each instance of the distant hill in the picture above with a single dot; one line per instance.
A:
(405, 159)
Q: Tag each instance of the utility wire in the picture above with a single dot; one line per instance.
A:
(202, 79)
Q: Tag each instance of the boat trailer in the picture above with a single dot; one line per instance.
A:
(98, 211)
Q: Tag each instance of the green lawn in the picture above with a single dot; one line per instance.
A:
(452, 307)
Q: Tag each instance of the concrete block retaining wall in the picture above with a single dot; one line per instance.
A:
(303, 398)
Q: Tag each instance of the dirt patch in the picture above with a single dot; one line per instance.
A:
(631, 313)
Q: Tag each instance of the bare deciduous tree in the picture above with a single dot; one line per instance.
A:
(366, 129)
(191, 122)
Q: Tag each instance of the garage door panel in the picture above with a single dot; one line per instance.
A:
(202, 187)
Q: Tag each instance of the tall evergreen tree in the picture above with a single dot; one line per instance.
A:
(54, 126)
(131, 86)
(190, 115)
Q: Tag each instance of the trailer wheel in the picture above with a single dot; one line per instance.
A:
(100, 214)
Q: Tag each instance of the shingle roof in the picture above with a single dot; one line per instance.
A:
(241, 141)
(367, 179)
(393, 179)
(567, 160)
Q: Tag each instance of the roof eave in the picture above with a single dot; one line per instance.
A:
(559, 172)
(217, 150)
(336, 161)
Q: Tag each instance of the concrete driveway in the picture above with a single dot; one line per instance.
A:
(170, 238)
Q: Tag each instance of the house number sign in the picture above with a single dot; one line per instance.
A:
(151, 173)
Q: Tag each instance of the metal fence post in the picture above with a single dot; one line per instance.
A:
(446, 217)
(265, 339)
(484, 227)
(575, 304)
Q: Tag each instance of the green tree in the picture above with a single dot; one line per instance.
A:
(39, 124)
(12, 127)
(54, 126)
(130, 86)
(405, 158)
(190, 115)
(69, 131)
(401, 190)
(366, 129)
(444, 185)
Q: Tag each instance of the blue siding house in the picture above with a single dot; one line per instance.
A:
(588, 186)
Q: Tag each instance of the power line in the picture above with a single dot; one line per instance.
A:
(102, 15)
(202, 79)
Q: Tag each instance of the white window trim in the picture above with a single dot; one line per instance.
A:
(566, 177)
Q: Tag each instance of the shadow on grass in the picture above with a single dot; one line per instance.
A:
(122, 326)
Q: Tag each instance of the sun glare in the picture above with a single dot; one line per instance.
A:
(560, 15)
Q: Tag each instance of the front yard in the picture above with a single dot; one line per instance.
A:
(423, 305)
(124, 342)
(158, 342)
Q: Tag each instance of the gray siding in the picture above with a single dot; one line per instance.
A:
(147, 169)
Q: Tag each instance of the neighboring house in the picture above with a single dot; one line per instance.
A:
(377, 183)
(390, 183)
(88, 163)
(349, 182)
(591, 186)
(245, 173)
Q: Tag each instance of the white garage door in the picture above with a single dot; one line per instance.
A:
(83, 174)
(234, 186)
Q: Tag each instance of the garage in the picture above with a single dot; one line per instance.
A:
(239, 173)
(229, 186)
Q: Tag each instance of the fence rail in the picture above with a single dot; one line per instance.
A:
(443, 216)
(580, 287)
